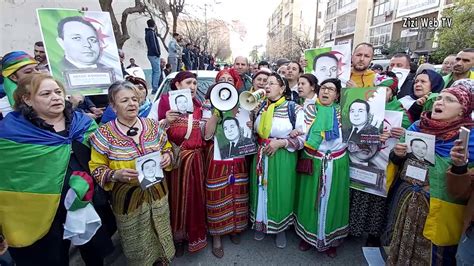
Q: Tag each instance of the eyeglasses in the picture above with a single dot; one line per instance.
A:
(330, 89)
(446, 99)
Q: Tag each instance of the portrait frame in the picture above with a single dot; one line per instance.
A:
(93, 78)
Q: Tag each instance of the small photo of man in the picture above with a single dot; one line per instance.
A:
(359, 117)
(420, 147)
(419, 150)
(149, 173)
(181, 101)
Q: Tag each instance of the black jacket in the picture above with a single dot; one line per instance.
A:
(152, 43)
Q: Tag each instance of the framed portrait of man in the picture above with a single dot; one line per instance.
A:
(81, 49)
(368, 169)
(329, 62)
(233, 137)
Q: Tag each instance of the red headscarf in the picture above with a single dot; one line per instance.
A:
(233, 73)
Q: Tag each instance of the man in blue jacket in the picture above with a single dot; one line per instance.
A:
(153, 46)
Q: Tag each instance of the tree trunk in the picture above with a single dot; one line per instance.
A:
(175, 23)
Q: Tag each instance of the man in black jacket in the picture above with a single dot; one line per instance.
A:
(153, 46)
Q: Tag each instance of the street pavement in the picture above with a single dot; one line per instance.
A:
(252, 252)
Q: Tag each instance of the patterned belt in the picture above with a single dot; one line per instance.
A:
(329, 156)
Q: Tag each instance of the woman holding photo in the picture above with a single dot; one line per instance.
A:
(273, 174)
(188, 209)
(227, 179)
(142, 216)
(322, 203)
(427, 222)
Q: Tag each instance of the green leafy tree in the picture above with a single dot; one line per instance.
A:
(460, 33)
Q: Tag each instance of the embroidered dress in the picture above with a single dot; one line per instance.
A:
(322, 203)
(143, 217)
(273, 179)
(227, 193)
(188, 210)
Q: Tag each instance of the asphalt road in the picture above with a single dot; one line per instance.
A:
(252, 252)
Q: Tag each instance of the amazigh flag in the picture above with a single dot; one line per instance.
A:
(32, 172)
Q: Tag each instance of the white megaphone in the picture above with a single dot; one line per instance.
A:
(250, 100)
(224, 96)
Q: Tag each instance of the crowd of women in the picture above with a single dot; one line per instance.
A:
(64, 179)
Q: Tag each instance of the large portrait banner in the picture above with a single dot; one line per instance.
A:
(363, 120)
(81, 49)
(329, 62)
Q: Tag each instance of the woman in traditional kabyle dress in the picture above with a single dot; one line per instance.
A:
(322, 206)
(47, 198)
(187, 192)
(143, 216)
(428, 222)
(227, 178)
(273, 174)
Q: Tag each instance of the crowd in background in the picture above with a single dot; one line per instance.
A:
(78, 174)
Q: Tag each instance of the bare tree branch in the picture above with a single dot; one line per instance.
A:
(176, 7)
(121, 31)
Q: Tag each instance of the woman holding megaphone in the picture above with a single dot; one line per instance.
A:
(273, 175)
(227, 178)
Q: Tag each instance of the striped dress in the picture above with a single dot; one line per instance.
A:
(187, 196)
(143, 217)
(226, 194)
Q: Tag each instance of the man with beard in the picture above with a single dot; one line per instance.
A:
(462, 67)
(361, 75)
(40, 56)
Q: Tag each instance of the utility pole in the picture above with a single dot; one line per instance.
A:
(315, 38)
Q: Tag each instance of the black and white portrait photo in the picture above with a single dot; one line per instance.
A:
(233, 137)
(149, 170)
(235, 140)
(420, 147)
(181, 101)
(80, 42)
(361, 131)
